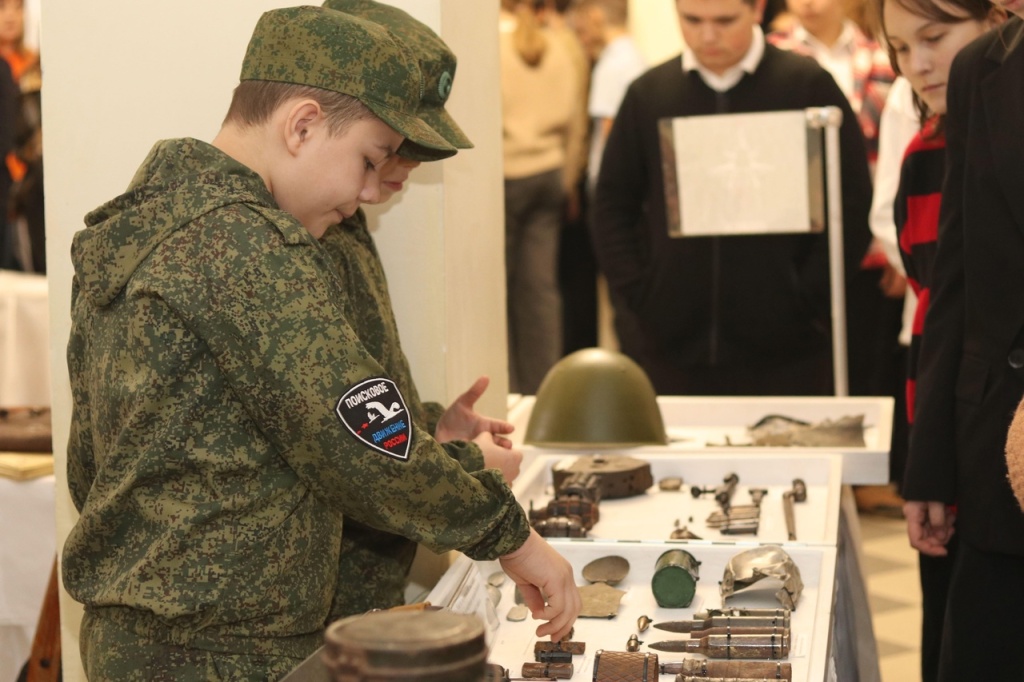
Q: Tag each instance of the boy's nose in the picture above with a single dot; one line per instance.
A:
(371, 192)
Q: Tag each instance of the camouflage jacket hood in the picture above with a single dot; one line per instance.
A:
(179, 181)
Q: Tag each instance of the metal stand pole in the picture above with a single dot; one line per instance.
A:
(830, 118)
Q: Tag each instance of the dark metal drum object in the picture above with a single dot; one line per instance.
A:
(25, 429)
(399, 646)
(617, 475)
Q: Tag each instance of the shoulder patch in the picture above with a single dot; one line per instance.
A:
(374, 412)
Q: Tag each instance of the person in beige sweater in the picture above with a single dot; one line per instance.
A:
(541, 95)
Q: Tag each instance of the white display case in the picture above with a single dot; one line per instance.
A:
(720, 424)
(511, 643)
(652, 516)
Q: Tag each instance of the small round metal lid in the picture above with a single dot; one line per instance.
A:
(609, 570)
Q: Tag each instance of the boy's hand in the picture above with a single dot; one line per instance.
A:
(461, 422)
(546, 581)
(506, 459)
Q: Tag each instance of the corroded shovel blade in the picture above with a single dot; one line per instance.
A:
(600, 600)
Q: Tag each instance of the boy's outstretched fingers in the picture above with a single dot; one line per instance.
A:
(462, 421)
(539, 570)
(559, 614)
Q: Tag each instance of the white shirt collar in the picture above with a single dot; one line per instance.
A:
(844, 43)
(838, 59)
(732, 75)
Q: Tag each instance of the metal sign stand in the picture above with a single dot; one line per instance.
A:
(831, 118)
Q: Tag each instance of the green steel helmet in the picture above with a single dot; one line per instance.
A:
(595, 398)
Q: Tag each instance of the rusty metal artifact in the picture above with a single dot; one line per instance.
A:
(772, 646)
(670, 484)
(734, 612)
(683, 533)
(625, 666)
(561, 527)
(576, 498)
(617, 475)
(693, 678)
(25, 429)
(432, 646)
(581, 484)
(600, 601)
(699, 668)
(574, 648)
(552, 656)
(774, 618)
(582, 510)
(674, 582)
(780, 431)
(549, 671)
(767, 567)
(723, 493)
(798, 493)
(609, 570)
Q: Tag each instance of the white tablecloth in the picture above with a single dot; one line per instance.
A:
(24, 340)
(27, 548)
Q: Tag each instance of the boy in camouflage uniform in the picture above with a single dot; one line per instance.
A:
(227, 418)
(375, 564)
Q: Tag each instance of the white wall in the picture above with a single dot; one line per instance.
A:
(120, 74)
(655, 26)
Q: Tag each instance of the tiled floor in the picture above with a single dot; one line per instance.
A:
(890, 569)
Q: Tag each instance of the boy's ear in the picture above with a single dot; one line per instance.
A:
(304, 118)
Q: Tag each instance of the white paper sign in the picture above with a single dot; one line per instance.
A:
(743, 174)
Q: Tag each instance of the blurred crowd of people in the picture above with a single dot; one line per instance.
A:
(932, 234)
(22, 230)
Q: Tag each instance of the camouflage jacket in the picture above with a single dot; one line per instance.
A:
(227, 418)
(374, 564)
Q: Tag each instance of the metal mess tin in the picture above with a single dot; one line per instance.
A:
(393, 646)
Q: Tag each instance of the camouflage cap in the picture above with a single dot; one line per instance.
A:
(322, 48)
(437, 63)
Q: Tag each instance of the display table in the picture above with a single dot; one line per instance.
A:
(511, 643)
(652, 516)
(24, 340)
(719, 425)
(27, 549)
